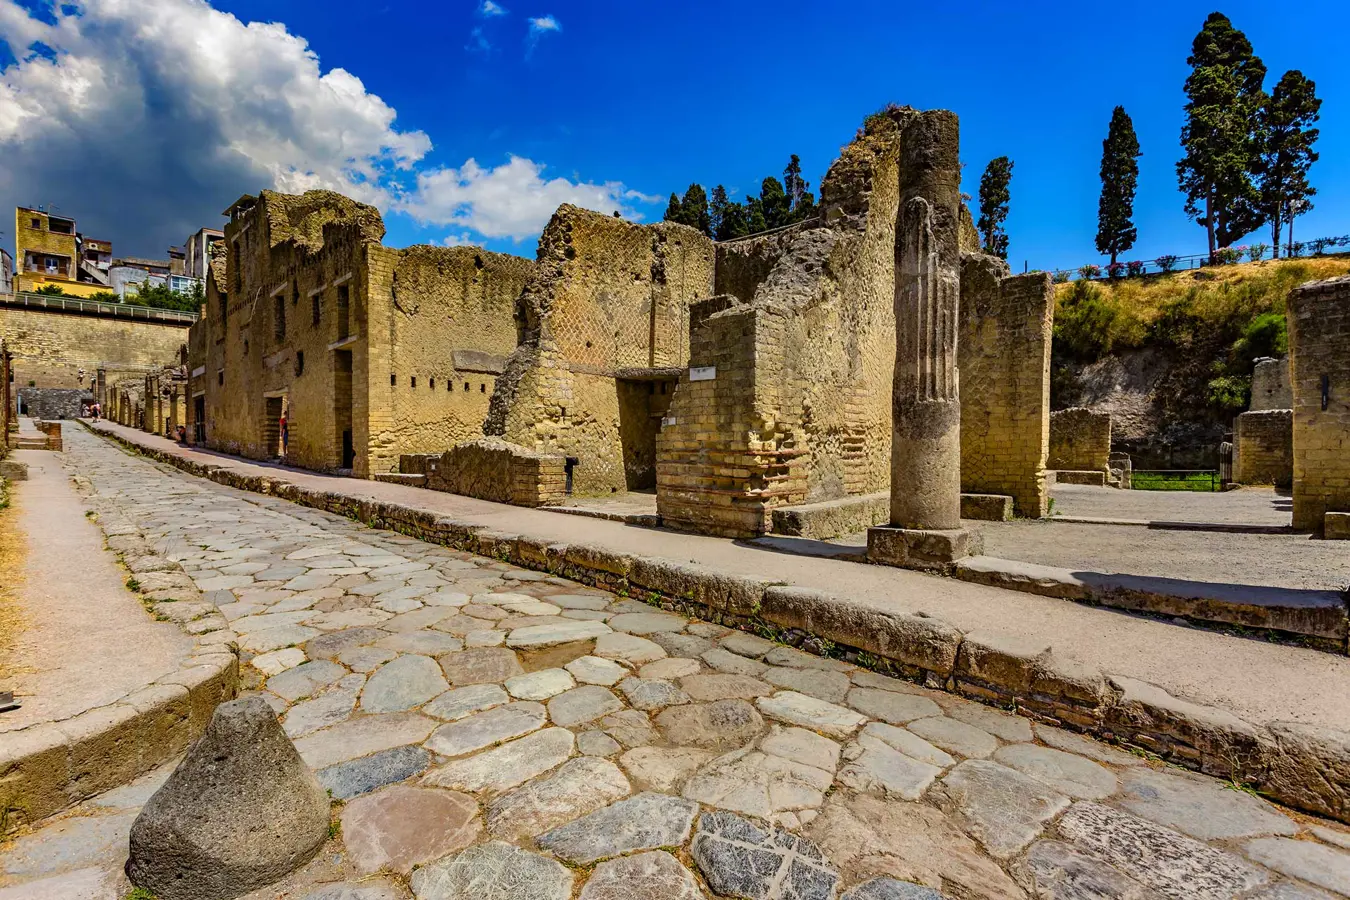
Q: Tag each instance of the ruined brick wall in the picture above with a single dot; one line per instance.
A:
(497, 470)
(729, 451)
(1003, 349)
(1270, 385)
(1263, 445)
(608, 301)
(1080, 440)
(451, 329)
(1319, 354)
(54, 403)
(51, 347)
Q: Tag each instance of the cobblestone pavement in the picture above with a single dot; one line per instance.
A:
(494, 733)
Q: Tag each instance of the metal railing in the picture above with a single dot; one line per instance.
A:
(98, 307)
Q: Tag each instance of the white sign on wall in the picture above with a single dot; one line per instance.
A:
(702, 373)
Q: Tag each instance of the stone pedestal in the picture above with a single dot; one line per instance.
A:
(926, 402)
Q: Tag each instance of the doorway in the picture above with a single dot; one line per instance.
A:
(643, 403)
(342, 407)
(272, 426)
(199, 419)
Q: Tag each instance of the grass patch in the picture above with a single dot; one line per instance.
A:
(1160, 481)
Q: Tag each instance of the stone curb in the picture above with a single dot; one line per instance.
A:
(1305, 767)
(51, 766)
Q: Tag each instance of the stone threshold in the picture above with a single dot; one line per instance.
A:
(1166, 525)
(1303, 766)
(642, 520)
(51, 766)
(1311, 618)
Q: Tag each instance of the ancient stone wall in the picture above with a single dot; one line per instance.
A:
(1004, 352)
(494, 469)
(52, 348)
(1319, 353)
(608, 302)
(1270, 385)
(54, 403)
(1080, 440)
(1263, 445)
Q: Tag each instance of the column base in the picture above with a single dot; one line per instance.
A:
(923, 549)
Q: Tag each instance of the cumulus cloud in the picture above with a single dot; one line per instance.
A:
(513, 200)
(145, 135)
(490, 9)
(539, 27)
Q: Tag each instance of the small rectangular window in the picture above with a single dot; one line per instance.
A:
(299, 362)
(37, 223)
(482, 389)
(393, 379)
(432, 384)
(317, 311)
(220, 376)
(414, 381)
(466, 385)
(279, 318)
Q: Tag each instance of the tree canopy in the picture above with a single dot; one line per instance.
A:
(778, 203)
(1116, 232)
(994, 201)
(1287, 136)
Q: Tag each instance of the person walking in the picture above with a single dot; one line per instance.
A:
(285, 435)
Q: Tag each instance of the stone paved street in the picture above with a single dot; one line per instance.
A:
(488, 732)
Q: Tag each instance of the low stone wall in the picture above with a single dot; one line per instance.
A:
(494, 469)
(53, 403)
(832, 518)
(1080, 439)
(1307, 767)
(1263, 445)
(52, 766)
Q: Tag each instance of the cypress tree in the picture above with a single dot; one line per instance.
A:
(1220, 137)
(1287, 151)
(673, 208)
(774, 203)
(994, 199)
(694, 209)
(1120, 176)
(801, 202)
(717, 211)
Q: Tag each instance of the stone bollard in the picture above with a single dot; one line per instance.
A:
(240, 812)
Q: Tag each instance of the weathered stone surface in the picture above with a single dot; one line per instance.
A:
(955, 737)
(663, 769)
(832, 687)
(580, 601)
(504, 767)
(1001, 808)
(1003, 725)
(540, 685)
(671, 668)
(563, 631)
(733, 663)
(891, 889)
(401, 684)
(724, 686)
(365, 659)
(335, 642)
(370, 889)
(594, 670)
(808, 712)
(1057, 871)
(720, 725)
(305, 680)
(647, 623)
(461, 702)
(867, 836)
(1287, 890)
(1083, 746)
(655, 875)
(891, 706)
(650, 693)
(597, 743)
(480, 666)
(1178, 867)
(493, 871)
(628, 648)
(874, 766)
(909, 744)
(582, 704)
(278, 661)
(426, 643)
(487, 728)
(748, 645)
(362, 736)
(1201, 807)
(241, 811)
(576, 788)
(402, 827)
(361, 776)
(1079, 778)
(328, 708)
(630, 727)
(1315, 863)
(758, 784)
(643, 822)
(1309, 767)
(681, 645)
(739, 859)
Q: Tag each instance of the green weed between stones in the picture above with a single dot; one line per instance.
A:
(133, 585)
(140, 894)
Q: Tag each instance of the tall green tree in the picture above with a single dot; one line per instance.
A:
(755, 218)
(775, 203)
(673, 208)
(717, 209)
(801, 202)
(1287, 153)
(1221, 135)
(994, 200)
(1120, 177)
(694, 209)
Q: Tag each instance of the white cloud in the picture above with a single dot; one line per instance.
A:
(490, 9)
(478, 42)
(459, 240)
(513, 200)
(539, 27)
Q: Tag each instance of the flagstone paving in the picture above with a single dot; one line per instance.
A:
(488, 732)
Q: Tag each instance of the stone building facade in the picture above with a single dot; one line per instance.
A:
(367, 351)
(1270, 384)
(1319, 355)
(604, 332)
(1263, 444)
(1080, 440)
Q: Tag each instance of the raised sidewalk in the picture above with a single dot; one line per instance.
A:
(1270, 715)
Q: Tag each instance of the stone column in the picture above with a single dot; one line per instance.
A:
(926, 405)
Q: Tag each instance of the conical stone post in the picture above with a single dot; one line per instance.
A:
(925, 528)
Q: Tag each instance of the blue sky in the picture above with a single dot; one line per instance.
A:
(618, 104)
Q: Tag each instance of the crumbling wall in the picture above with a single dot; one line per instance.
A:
(606, 297)
(1319, 354)
(1270, 384)
(54, 403)
(451, 329)
(1263, 444)
(494, 469)
(1003, 348)
(1080, 440)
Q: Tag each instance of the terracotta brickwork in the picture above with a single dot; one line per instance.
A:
(1080, 440)
(494, 469)
(1004, 352)
(607, 304)
(1263, 444)
(1319, 353)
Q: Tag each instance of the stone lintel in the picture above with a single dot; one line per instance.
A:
(919, 548)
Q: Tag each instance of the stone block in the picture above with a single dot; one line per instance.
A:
(987, 507)
(913, 548)
(735, 594)
(34, 771)
(1090, 477)
(1002, 660)
(1336, 526)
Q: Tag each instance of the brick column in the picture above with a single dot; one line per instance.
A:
(1319, 353)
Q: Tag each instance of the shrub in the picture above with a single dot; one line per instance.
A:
(1091, 322)
(1062, 276)
(1226, 256)
(51, 290)
(1134, 268)
(1089, 271)
(104, 297)
(1166, 263)
(1256, 252)
(1231, 393)
(1265, 335)
(1320, 245)
(1294, 249)
(1115, 270)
